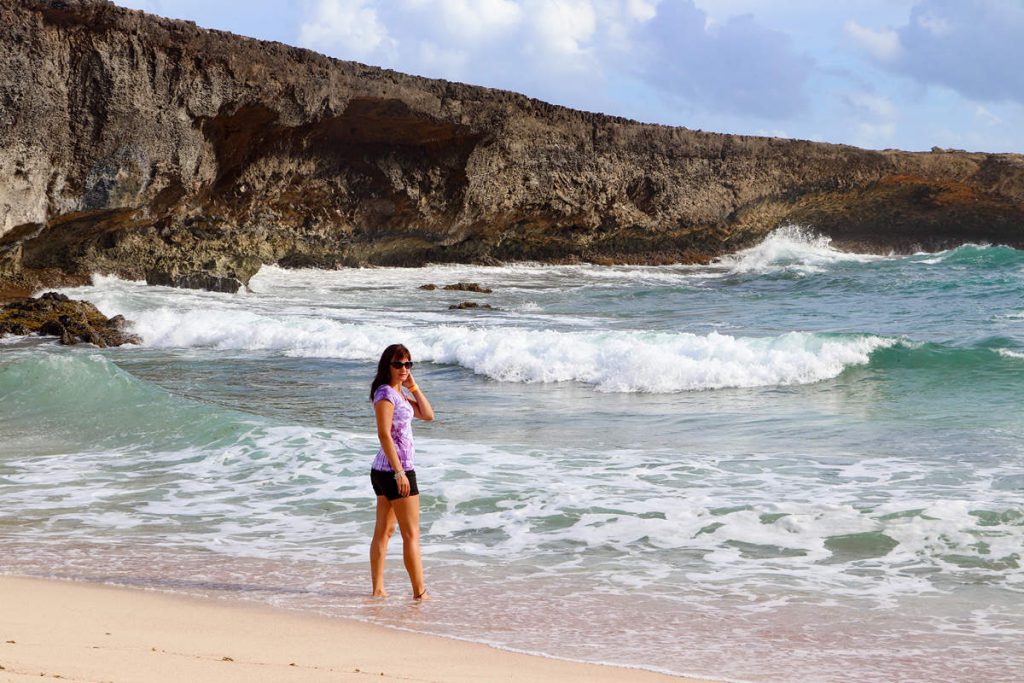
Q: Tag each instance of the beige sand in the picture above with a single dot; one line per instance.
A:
(83, 632)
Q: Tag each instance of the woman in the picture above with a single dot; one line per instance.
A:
(392, 473)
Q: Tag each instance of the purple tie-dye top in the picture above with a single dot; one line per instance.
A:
(401, 429)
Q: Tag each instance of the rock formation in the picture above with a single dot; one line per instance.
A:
(55, 315)
(469, 305)
(151, 148)
(467, 287)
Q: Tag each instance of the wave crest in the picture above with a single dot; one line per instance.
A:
(791, 248)
(976, 256)
(616, 361)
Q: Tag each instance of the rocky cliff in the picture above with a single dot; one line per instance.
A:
(150, 148)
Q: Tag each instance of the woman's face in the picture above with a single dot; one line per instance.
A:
(402, 373)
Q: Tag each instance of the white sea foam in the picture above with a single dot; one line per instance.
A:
(1007, 353)
(510, 349)
(791, 248)
(526, 277)
(295, 492)
(619, 361)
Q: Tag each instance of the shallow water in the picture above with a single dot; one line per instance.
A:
(792, 464)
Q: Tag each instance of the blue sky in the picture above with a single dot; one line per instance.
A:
(907, 74)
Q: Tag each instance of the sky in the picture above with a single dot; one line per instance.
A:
(906, 74)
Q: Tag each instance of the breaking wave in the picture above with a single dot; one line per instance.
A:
(616, 361)
(794, 249)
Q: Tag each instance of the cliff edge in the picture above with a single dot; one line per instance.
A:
(151, 148)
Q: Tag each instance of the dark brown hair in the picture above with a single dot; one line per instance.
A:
(384, 366)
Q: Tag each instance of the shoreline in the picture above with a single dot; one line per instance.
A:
(85, 631)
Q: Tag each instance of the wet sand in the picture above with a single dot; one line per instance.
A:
(87, 632)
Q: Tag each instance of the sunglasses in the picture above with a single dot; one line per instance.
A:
(398, 365)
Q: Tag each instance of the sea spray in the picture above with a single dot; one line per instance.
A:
(791, 248)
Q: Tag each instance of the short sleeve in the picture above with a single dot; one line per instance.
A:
(383, 393)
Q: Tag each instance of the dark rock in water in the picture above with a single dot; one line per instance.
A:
(55, 315)
(91, 336)
(468, 287)
(469, 304)
(194, 280)
(459, 287)
(118, 322)
(16, 329)
(57, 328)
(150, 148)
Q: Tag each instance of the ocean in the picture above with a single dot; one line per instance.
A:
(792, 464)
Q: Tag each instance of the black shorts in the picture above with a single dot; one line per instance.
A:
(384, 484)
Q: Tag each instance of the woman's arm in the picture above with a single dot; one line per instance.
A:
(385, 412)
(421, 407)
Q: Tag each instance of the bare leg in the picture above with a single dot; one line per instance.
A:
(408, 512)
(379, 546)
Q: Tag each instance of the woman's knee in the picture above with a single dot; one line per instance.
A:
(383, 535)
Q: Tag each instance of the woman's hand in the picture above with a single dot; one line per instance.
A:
(420, 405)
(403, 485)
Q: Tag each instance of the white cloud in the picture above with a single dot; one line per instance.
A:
(936, 25)
(563, 26)
(449, 61)
(986, 117)
(618, 21)
(872, 120)
(471, 20)
(883, 45)
(871, 105)
(350, 29)
(738, 66)
(875, 135)
(973, 47)
(641, 10)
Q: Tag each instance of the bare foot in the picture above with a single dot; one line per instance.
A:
(424, 596)
(381, 593)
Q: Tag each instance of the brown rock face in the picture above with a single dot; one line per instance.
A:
(55, 315)
(157, 150)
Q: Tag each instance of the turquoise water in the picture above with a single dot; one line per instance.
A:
(790, 465)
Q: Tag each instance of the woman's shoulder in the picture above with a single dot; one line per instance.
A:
(384, 393)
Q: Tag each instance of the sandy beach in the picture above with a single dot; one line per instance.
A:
(85, 632)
